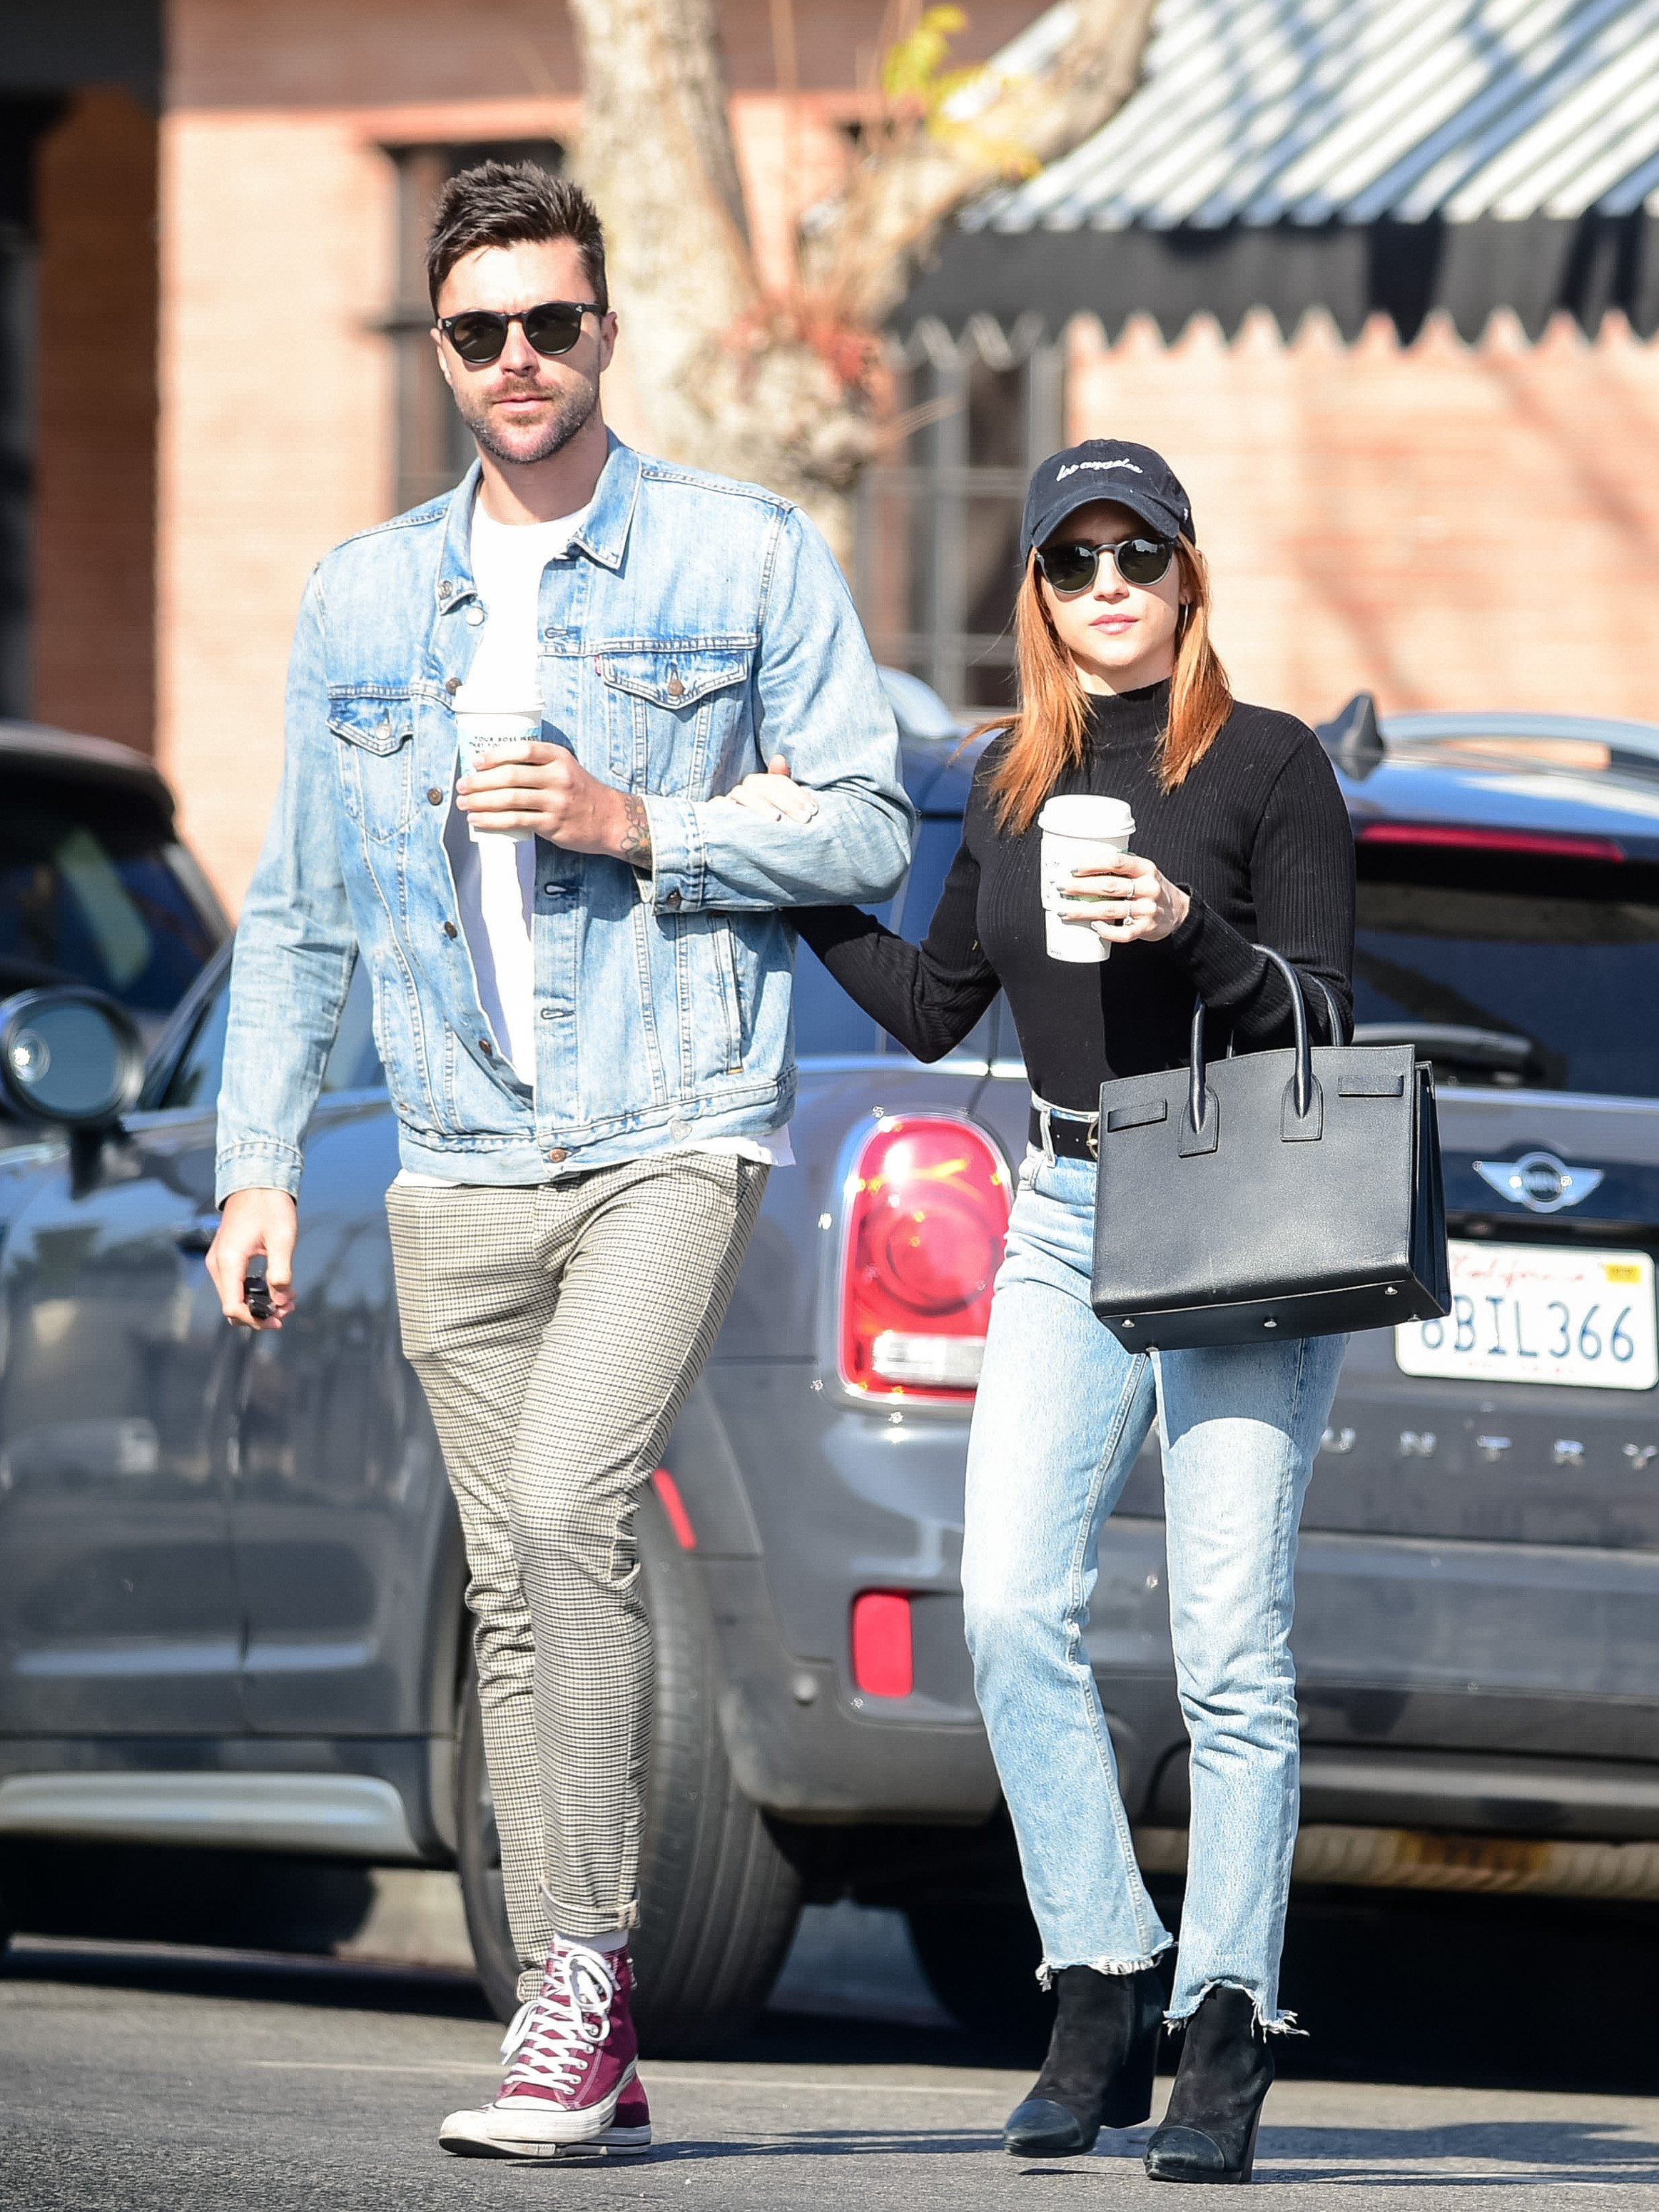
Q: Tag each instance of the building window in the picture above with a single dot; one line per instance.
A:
(938, 561)
(434, 447)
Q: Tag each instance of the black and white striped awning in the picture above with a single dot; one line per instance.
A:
(1355, 153)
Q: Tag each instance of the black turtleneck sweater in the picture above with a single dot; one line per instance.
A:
(1257, 836)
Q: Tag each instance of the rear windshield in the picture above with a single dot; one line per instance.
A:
(1514, 970)
(88, 893)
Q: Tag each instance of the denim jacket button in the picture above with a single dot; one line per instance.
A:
(452, 683)
(676, 689)
(486, 1047)
(435, 796)
(558, 1153)
(475, 614)
(672, 899)
(450, 930)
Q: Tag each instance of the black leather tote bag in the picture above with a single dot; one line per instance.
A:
(1272, 1194)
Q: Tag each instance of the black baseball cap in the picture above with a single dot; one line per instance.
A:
(1104, 468)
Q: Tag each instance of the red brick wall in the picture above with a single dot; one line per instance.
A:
(1445, 525)
(94, 545)
(360, 53)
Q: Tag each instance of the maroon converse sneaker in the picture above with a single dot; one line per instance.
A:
(469, 2135)
(631, 2129)
(571, 2080)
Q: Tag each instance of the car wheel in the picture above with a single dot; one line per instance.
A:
(982, 1957)
(718, 1899)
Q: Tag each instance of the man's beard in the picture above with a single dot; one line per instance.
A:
(573, 409)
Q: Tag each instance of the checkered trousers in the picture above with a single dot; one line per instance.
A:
(557, 1330)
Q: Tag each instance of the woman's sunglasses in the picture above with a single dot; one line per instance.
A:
(1071, 569)
(479, 336)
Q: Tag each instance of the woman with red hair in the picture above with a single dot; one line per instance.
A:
(1240, 839)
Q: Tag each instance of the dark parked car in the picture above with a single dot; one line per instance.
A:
(230, 1575)
(94, 886)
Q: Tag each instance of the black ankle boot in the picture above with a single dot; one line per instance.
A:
(1209, 2133)
(1102, 2057)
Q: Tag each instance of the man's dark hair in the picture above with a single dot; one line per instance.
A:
(512, 204)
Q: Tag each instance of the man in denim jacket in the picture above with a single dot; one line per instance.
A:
(585, 1031)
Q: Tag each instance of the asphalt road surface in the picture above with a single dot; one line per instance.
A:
(1494, 2057)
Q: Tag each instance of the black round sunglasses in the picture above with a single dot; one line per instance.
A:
(1072, 567)
(479, 334)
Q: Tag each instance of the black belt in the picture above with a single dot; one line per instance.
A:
(1067, 1135)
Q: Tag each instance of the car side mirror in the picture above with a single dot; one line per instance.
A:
(70, 1055)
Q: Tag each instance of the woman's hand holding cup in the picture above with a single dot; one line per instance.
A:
(1124, 900)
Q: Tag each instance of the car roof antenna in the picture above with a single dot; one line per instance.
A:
(1354, 740)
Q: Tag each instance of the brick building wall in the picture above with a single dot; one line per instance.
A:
(94, 596)
(1447, 525)
(275, 235)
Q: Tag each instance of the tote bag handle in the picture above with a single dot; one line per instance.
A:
(1197, 1097)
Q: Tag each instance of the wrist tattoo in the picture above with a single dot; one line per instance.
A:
(637, 833)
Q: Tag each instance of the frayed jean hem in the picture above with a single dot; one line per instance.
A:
(1050, 1967)
(1282, 2023)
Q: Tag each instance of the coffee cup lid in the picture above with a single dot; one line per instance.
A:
(1086, 814)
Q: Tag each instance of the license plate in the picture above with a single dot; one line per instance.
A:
(1540, 1313)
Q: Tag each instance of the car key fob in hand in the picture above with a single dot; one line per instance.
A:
(256, 1295)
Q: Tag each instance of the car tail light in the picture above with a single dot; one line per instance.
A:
(927, 1214)
(673, 1505)
(1544, 845)
(884, 1663)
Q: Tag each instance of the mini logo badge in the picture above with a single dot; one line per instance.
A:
(1540, 1182)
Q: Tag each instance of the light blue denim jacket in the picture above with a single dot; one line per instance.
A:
(694, 628)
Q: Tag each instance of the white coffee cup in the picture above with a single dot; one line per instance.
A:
(489, 716)
(1080, 831)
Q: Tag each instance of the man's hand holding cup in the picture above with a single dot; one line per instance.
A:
(525, 789)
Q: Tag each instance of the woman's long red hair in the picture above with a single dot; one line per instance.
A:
(1046, 733)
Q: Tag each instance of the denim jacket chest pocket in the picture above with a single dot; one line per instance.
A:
(375, 757)
(675, 711)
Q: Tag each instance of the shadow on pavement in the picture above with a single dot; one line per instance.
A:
(1490, 1992)
(234, 1900)
(815, 2142)
(1543, 2150)
(1470, 1991)
(254, 1977)
(1478, 1992)
(1380, 2157)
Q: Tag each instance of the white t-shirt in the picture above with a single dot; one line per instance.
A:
(496, 879)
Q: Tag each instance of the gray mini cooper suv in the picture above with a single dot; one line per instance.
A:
(231, 1575)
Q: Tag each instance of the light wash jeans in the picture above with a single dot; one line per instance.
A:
(1062, 1410)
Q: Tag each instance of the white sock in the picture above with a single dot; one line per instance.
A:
(614, 1939)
